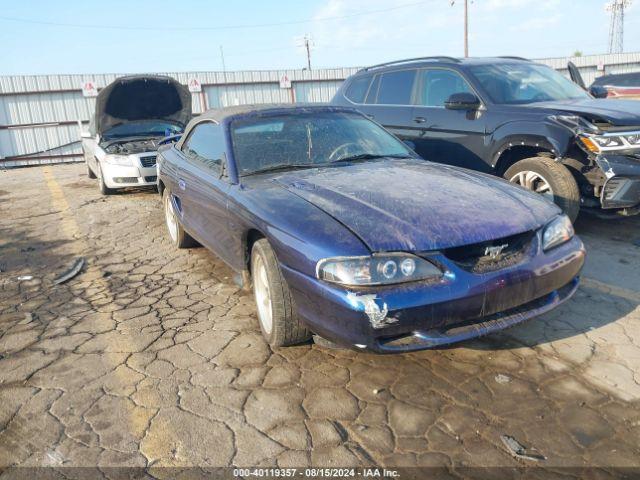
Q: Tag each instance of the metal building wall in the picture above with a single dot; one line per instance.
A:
(39, 114)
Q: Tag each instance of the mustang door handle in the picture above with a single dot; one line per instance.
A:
(419, 119)
(182, 184)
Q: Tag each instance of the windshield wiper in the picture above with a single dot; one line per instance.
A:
(369, 156)
(280, 167)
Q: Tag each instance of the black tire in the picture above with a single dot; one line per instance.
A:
(566, 193)
(103, 187)
(286, 328)
(90, 173)
(180, 238)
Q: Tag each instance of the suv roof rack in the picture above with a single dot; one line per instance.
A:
(511, 57)
(410, 60)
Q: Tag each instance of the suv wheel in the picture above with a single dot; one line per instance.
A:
(276, 312)
(177, 235)
(549, 178)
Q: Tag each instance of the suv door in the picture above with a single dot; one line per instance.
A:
(204, 188)
(455, 137)
(389, 100)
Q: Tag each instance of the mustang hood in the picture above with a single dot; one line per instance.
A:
(397, 205)
(142, 97)
(616, 112)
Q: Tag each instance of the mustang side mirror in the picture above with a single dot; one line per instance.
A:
(598, 91)
(462, 101)
(85, 134)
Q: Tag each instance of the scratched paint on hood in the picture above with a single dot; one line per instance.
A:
(413, 205)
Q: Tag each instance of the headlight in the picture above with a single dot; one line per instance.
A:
(380, 269)
(557, 232)
(606, 143)
(122, 160)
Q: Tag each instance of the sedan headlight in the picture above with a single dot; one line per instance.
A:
(383, 269)
(121, 160)
(557, 232)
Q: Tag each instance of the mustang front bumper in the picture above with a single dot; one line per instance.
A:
(142, 172)
(622, 185)
(464, 305)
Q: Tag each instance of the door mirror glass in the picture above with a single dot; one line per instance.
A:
(598, 91)
(462, 101)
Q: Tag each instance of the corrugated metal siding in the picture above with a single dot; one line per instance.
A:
(316, 92)
(42, 99)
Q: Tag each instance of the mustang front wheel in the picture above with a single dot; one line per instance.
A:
(276, 311)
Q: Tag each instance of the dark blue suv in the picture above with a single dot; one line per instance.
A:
(510, 117)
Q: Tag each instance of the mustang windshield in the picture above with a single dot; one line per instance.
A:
(309, 139)
(521, 83)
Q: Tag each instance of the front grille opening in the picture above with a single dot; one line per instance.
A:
(148, 161)
(476, 258)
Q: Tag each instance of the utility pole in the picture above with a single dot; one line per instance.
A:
(224, 67)
(466, 25)
(307, 46)
(616, 27)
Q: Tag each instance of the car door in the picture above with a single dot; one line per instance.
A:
(204, 188)
(389, 100)
(455, 137)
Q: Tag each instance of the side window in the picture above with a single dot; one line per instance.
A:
(358, 89)
(396, 87)
(436, 85)
(373, 91)
(205, 146)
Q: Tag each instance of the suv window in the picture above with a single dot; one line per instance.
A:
(205, 146)
(436, 85)
(358, 89)
(396, 87)
(373, 91)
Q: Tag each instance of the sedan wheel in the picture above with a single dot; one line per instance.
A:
(277, 314)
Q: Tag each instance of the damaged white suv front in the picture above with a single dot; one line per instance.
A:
(133, 117)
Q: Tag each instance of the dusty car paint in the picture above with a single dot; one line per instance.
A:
(351, 210)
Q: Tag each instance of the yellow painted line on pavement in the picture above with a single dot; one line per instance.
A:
(611, 289)
(138, 420)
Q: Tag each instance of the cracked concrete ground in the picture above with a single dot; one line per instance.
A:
(152, 356)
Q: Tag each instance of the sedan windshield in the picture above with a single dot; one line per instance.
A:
(309, 139)
(155, 128)
(521, 83)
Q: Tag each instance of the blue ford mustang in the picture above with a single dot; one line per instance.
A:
(343, 231)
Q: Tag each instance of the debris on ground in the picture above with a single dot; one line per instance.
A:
(74, 270)
(25, 278)
(502, 379)
(520, 451)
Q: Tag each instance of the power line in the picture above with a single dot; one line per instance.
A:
(219, 27)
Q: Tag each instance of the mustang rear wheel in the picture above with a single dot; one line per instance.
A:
(549, 178)
(278, 318)
(178, 236)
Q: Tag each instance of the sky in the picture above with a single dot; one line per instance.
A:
(131, 36)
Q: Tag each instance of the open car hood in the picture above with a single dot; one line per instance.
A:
(416, 206)
(142, 97)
